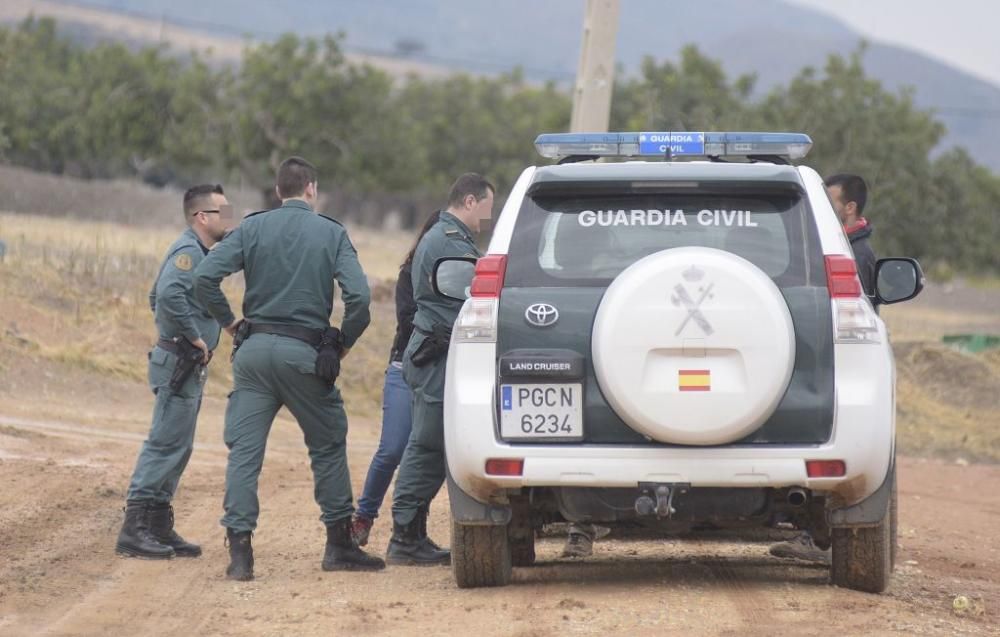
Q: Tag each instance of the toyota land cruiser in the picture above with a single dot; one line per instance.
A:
(671, 344)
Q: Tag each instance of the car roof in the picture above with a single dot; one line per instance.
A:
(700, 171)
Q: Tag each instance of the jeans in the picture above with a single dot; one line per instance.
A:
(396, 426)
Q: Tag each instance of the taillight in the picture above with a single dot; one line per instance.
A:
(854, 319)
(826, 468)
(504, 466)
(477, 322)
(490, 271)
(842, 277)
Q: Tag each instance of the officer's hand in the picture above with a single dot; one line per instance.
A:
(344, 352)
(232, 327)
(203, 346)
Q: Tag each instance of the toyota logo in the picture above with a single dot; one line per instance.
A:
(541, 315)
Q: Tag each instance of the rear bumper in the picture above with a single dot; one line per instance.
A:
(864, 432)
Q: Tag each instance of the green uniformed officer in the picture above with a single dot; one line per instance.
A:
(290, 258)
(422, 469)
(181, 321)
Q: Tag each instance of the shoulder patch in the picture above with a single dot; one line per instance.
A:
(183, 262)
(254, 214)
(452, 233)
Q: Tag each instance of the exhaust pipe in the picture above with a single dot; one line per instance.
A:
(797, 496)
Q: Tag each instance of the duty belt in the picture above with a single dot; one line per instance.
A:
(307, 334)
(168, 345)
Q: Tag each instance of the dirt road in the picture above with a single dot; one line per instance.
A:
(61, 489)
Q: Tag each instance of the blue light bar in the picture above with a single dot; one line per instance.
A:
(673, 144)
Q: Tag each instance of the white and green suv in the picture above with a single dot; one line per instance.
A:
(668, 345)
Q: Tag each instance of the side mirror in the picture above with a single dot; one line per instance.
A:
(897, 279)
(452, 277)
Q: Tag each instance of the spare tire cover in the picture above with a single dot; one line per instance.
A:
(693, 346)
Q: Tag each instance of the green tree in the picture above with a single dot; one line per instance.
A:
(693, 95)
(962, 213)
(482, 124)
(301, 97)
(857, 126)
(36, 98)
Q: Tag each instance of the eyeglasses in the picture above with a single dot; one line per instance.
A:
(223, 211)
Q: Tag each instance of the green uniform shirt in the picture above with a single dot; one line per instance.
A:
(175, 309)
(290, 258)
(449, 237)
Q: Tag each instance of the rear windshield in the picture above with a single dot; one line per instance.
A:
(565, 240)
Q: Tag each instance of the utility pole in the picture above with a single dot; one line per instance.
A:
(596, 73)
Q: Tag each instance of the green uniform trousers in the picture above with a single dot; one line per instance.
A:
(422, 468)
(270, 372)
(166, 451)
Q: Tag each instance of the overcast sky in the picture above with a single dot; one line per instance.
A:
(961, 32)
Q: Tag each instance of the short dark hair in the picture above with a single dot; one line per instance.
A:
(196, 196)
(294, 174)
(852, 187)
(469, 184)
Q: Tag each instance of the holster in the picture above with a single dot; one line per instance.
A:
(241, 334)
(189, 358)
(434, 346)
(328, 355)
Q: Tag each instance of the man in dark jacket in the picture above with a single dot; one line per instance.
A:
(849, 193)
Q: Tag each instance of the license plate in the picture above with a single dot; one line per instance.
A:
(541, 411)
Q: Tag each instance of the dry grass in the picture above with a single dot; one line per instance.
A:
(74, 293)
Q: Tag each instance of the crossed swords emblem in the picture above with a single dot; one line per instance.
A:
(680, 297)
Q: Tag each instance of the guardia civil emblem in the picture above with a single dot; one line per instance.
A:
(183, 262)
(682, 297)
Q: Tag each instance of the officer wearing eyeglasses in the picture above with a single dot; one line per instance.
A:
(182, 322)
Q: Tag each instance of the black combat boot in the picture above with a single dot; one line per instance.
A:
(422, 514)
(161, 526)
(342, 554)
(135, 538)
(408, 548)
(240, 555)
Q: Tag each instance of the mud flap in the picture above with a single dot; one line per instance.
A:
(467, 510)
(871, 510)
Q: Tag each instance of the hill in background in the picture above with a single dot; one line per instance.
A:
(771, 38)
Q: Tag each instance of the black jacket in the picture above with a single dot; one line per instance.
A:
(406, 308)
(864, 256)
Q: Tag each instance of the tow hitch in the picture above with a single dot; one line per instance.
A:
(657, 499)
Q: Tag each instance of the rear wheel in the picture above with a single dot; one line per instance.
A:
(863, 558)
(480, 555)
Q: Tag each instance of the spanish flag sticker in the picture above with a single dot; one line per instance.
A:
(694, 380)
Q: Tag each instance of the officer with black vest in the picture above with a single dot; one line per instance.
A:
(422, 469)
(187, 336)
(288, 355)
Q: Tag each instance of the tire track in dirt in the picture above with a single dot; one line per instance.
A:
(60, 520)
